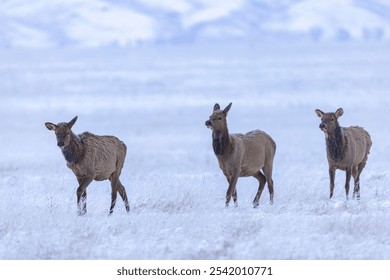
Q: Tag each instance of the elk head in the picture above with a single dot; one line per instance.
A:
(329, 121)
(62, 131)
(217, 120)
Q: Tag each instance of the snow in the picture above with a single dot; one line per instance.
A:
(333, 19)
(196, 12)
(156, 99)
(108, 25)
(211, 11)
(85, 23)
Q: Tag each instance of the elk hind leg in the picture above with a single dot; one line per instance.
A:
(356, 189)
(122, 193)
(114, 179)
(261, 178)
(270, 183)
(234, 195)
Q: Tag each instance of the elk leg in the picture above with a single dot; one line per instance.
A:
(84, 202)
(122, 193)
(332, 172)
(235, 197)
(82, 195)
(268, 176)
(347, 180)
(356, 189)
(261, 178)
(114, 190)
(232, 187)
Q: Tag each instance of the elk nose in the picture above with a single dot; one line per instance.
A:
(208, 123)
(322, 126)
(60, 144)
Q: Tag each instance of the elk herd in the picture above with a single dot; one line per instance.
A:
(92, 157)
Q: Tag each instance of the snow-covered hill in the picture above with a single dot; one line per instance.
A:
(93, 23)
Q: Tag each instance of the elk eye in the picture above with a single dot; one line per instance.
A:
(220, 118)
(332, 119)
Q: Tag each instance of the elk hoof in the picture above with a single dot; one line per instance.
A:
(357, 196)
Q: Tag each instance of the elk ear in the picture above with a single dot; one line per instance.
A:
(216, 107)
(339, 112)
(319, 113)
(50, 126)
(226, 110)
(72, 122)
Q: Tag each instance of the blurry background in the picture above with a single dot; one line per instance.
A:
(98, 23)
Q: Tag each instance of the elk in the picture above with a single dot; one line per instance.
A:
(347, 149)
(92, 157)
(242, 155)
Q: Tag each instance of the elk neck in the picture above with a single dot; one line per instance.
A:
(335, 144)
(221, 142)
(74, 152)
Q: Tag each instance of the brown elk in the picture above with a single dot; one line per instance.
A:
(347, 149)
(242, 155)
(92, 157)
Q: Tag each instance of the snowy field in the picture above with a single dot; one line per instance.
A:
(156, 99)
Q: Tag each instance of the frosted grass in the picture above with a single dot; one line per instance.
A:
(156, 100)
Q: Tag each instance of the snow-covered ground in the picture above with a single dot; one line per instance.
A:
(156, 99)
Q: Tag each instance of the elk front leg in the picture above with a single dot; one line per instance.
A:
(356, 189)
(348, 173)
(82, 194)
(332, 172)
(234, 195)
(231, 190)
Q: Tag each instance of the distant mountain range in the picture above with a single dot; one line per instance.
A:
(95, 23)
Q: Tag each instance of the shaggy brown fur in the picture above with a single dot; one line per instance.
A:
(347, 149)
(92, 157)
(242, 155)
